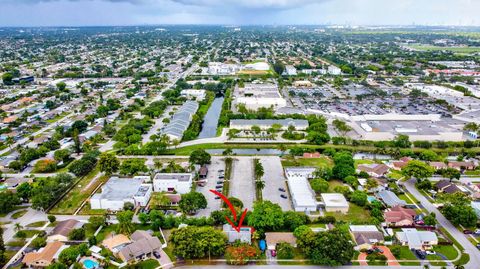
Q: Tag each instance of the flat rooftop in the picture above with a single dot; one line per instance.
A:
(120, 188)
(173, 176)
(334, 200)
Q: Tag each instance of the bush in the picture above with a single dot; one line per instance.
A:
(45, 166)
(285, 251)
(39, 242)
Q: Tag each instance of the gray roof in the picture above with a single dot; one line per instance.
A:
(119, 189)
(176, 176)
(181, 119)
(390, 198)
(285, 122)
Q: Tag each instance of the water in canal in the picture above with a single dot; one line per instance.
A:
(210, 121)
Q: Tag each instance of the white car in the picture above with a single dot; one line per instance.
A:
(430, 252)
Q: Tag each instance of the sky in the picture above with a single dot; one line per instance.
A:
(238, 12)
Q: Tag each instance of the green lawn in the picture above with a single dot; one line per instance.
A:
(395, 175)
(36, 224)
(449, 251)
(78, 194)
(334, 183)
(315, 162)
(19, 214)
(356, 214)
(148, 264)
(405, 254)
(357, 162)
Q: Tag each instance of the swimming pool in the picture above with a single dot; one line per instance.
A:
(89, 264)
(371, 199)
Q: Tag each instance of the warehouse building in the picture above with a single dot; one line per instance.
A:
(303, 197)
(173, 182)
(118, 191)
(255, 96)
(299, 125)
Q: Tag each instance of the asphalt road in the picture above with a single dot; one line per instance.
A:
(474, 253)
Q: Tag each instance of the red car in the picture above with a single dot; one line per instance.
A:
(274, 253)
(467, 232)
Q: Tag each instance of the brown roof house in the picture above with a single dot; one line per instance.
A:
(63, 229)
(116, 242)
(399, 216)
(438, 165)
(462, 165)
(44, 256)
(143, 245)
(445, 186)
(374, 170)
(273, 239)
(366, 236)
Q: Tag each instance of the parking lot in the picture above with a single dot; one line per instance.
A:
(212, 178)
(274, 179)
(242, 185)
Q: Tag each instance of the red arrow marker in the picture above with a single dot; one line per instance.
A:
(232, 209)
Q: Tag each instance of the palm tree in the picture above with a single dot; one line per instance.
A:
(157, 164)
(18, 227)
(175, 143)
(260, 184)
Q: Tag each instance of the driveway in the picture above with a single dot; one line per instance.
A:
(242, 185)
(391, 260)
(362, 258)
(459, 236)
(212, 178)
(274, 179)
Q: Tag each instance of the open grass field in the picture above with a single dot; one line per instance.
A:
(356, 214)
(78, 194)
(314, 162)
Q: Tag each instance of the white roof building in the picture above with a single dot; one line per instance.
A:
(255, 96)
(417, 239)
(198, 95)
(118, 191)
(335, 202)
(266, 124)
(173, 182)
(303, 197)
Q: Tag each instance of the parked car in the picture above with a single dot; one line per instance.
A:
(221, 176)
(377, 249)
(221, 170)
(281, 189)
(219, 186)
(283, 196)
(430, 252)
(478, 245)
(156, 254)
(273, 252)
(420, 254)
(219, 182)
(477, 231)
(467, 231)
(217, 197)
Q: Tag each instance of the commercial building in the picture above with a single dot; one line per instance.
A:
(180, 121)
(173, 182)
(335, 202)
(255, 96)
(197, 95)
(216, 68)
(290, 70)
(300, 125)
(118, 191)
(303, 197)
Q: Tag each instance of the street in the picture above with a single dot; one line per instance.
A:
(459, 236)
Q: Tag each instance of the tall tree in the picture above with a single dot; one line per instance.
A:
(108, 163)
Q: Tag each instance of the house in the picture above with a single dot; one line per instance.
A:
(244, 235)
(366, 236)
(63, 229)
(173, 182)
(462, 165)
(142, 247)
(87, 135)
(438, 165)
(10, 119)
(417, 239)
(273, 239)
(390, 198)
(445, 186)
(311, 155)
(374, 170)
(335, 202)
(116, 242)
(399, 216)
(118, 191)
(44, 256)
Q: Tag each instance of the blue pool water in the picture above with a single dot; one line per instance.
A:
(371, 199)
(89, 264)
